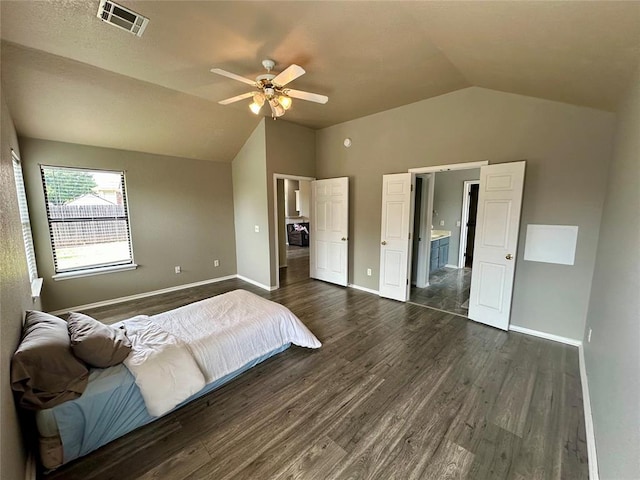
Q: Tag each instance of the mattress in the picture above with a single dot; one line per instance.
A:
(110, 407)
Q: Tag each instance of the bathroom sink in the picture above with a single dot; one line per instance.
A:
(438, 234)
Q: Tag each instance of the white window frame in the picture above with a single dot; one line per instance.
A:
(90, 270)
(23, 208)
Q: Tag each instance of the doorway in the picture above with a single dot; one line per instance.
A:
(292, 205)
(448, 239)
(495, 245)
(469, 220)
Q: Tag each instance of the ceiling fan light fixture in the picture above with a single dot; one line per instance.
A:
(285, 101)
(255, 107)
(271, 89)
(258, 98)
(276, 109)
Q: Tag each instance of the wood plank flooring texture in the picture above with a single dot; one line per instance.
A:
(297, 268)
(448, 290)
(397, 391)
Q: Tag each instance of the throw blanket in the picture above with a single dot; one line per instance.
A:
(162, 366)
(174, 354)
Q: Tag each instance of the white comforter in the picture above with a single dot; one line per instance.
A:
(222, 334)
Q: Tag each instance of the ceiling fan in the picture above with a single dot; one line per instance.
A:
(271, 89)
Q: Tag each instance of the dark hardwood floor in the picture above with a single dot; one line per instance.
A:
(297, 268)
(448, 290)
(397, 391)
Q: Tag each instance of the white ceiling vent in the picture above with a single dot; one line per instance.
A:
(122, 17)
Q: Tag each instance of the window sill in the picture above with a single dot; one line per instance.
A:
(93, 271)
(36, 288)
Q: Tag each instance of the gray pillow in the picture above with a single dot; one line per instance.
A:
(44, 371)
(96, 343)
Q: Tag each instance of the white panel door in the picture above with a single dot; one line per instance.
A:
(495, 247)
(329, 233)
(395, 237)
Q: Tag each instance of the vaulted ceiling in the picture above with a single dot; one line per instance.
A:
(68, 76)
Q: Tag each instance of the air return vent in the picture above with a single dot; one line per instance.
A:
(122, 17)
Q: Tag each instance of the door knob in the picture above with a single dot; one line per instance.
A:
(384, 243)
(509, 256)
(344, 239)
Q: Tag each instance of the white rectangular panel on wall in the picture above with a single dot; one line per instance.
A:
(551, 244)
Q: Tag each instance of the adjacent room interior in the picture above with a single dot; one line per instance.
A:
(429, 209)
(293, 205)
(450, 237)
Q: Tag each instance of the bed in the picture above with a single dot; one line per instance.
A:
(195, 349)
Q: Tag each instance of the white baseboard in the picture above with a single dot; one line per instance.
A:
(588, 419)
(142, 295)
(545, 335)
(257, 284)
(451, 266)
(363, 289)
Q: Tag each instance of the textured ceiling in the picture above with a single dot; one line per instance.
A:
(67, 76)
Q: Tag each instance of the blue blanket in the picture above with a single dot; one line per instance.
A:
(112, 406)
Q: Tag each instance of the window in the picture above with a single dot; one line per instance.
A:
(88, 220)
(24, 219)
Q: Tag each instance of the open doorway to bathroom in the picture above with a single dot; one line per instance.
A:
(453, 202)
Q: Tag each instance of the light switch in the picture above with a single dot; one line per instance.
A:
(257, 228)
(442, 223)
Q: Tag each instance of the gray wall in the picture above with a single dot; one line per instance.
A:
(567, 149)
(447, 202)
(181, 213)
(305, 198)
(290, 150)
(250, 206)
(15, 298)
(290, 187)
(612, 358)
(274, 147)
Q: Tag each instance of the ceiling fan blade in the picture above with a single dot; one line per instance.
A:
(288, 74)
(224, 73)
(236, 98)
(312, 97)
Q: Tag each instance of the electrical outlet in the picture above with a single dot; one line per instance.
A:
(442, 223)
(257, 228)
(589, 336)
(178, 269)
(458, 223)
(216, 263)
(368, 272)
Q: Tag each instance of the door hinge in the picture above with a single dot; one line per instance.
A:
(407, 281)
(409, 235)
